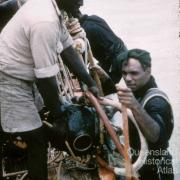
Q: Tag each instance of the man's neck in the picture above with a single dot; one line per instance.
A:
(141, 92)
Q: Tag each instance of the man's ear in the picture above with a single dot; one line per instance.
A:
(148, 70)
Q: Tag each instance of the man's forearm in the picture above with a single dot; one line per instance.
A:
(74, 63)
(148, 125)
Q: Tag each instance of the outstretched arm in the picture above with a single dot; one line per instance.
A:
(149, 127)
(74, 63)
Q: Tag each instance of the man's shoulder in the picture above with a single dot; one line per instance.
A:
(35, 11)
(154, 94)
(95, 17)
(91, 19)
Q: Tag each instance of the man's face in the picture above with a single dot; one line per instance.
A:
(134, 74)
(71, 6)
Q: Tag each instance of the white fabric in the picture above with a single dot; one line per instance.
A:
(30, 41)
(17, 105)
(47, 71)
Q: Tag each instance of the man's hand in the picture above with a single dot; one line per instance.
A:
(79, 45)
(75, 29)
(126, 97)
(78, 34)
(149, 127)
(95, 91)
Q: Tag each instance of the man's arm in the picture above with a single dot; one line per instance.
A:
(43, 42)
(149, 127)
(74, 63)
(160, 110)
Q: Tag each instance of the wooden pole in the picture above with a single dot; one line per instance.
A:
(128, 165)
(98, 83)
(91, 61)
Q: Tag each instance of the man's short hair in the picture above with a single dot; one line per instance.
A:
(141, 55)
